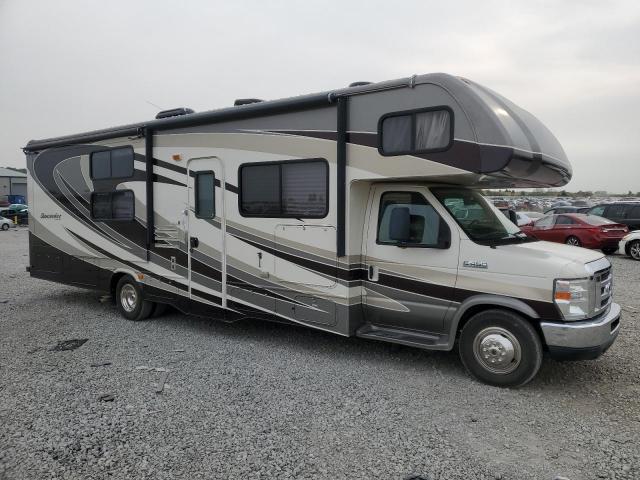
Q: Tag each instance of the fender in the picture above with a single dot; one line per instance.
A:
(455, 315)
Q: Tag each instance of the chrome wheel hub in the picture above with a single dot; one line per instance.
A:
(635, 250)
(128, 298)
(572, 241)
(497, 350)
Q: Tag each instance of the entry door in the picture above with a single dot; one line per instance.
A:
(409, 285)
(206, 228)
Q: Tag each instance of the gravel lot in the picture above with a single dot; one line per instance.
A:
(256, 400)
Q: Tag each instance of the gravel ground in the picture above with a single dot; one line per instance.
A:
(258, 400)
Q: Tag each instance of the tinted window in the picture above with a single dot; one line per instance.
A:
(634, 213)
(204, 195)
(599, 210)
(101, 205)
(119, 205)
(304, 189)
(100, 165)
(121, 162)
(617, 211)
(396, 134)
(116, 163)
(260, 186)
(545, 221)
(415, 132)
(424, 223)
(564, 220)
(285, 189)
(122, 205)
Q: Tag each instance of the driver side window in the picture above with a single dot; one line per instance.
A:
(426, 228)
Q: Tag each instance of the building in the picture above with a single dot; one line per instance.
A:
(12, 182)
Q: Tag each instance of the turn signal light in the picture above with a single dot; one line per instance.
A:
(560, 295)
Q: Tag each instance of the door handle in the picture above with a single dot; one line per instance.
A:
(372, 273)
(193, 243)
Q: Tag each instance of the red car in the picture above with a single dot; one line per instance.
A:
(589, 231)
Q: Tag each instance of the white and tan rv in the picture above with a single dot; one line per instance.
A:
(355, 211)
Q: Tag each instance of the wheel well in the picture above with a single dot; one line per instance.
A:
(471, 311)
(115, 278)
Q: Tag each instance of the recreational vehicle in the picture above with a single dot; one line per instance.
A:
(355, 211)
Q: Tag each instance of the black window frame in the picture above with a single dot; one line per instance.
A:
(246, 214)
(441, 223)
(133, 216)
(413, 114)
(195, 193)
(110, 177)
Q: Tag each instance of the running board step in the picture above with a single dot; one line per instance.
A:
(404, 337)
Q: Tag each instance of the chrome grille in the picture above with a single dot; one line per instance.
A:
(603, 280)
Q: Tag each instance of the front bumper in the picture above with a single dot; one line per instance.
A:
(582, 340)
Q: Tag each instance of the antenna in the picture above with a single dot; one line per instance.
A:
(154, 105)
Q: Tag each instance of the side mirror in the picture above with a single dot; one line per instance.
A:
(444, 235)
(400, 225)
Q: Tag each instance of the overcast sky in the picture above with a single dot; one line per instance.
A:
(68, 66)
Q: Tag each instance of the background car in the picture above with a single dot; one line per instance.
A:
(523, 219)
(580, 230)
(6, 224)
(566, 209)
(630, 245)
(13, 209)
(627, 213)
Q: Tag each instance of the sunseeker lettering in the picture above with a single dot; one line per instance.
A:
(50, 216)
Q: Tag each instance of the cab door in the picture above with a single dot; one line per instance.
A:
(410, 274)
(206, 226)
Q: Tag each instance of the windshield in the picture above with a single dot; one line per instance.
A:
(477, 216)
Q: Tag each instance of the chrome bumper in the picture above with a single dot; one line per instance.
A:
(595, 335)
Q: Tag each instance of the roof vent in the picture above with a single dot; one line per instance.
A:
(174, 112)
(359, 84)
(246, 101)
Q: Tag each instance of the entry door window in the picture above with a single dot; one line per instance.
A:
(205, 195)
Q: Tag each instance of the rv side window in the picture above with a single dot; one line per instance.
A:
(204, 195)
(425, 227)
(418, 131)
(115, 163)
(295, 188)
(118, 205)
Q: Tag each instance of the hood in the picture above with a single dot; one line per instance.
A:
(535, 259)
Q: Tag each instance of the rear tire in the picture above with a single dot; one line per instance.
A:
(5, 226)
(634, 250)
(573, 241)
(500, 348)
(130, 300)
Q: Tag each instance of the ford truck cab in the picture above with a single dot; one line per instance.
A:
(444, 264)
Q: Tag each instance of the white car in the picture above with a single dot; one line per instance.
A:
(630, 245)
(6, 224)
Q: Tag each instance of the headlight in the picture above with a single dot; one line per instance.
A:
(574, 298)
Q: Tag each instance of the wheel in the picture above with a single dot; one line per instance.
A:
(500, 348)
(609, 250)
(130, 301)
(575, 241)
(5, 226)
(634, 249)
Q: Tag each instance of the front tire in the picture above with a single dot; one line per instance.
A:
(5, 226)
(573, 241)
(130, 300)
(634, 249)
(500, 348)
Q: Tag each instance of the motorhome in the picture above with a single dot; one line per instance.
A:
(355, 211)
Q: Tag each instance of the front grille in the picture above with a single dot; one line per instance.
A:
(603, 280)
